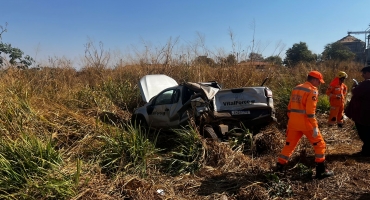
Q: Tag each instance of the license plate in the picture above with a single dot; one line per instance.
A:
(240, 112)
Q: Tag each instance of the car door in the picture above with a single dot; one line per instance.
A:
(163, 108)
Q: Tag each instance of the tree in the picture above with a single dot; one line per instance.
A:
(337, 51)
(255, 57)
(231, 60)
(298, 53)
(15, 54)
(275, 60)
(204, 60)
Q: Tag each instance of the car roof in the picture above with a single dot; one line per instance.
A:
(151, 85)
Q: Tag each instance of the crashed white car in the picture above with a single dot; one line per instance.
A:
(218, 112)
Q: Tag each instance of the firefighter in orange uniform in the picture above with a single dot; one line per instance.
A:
(337, 92)
(302, 121)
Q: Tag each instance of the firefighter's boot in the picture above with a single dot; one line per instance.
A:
(322, 172)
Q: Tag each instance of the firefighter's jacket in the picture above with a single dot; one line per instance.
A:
(337, 93)
(302, 106)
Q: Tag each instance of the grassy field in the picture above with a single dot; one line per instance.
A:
(65, 134)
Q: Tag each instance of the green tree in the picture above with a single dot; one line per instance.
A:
(255, 57)
(15, 54)
(231, 60)
(275, 60)
(299, 52)
(337, 51)
(204, 60)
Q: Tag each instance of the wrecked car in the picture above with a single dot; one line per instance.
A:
(218, 112)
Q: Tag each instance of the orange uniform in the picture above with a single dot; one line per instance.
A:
(302, 121)
(337, 94)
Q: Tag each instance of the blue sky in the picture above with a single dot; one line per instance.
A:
(61, 28)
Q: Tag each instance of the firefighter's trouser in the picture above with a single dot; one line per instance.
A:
(292, 139)
(336, 115)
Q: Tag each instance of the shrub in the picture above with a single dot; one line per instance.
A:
(323, 104)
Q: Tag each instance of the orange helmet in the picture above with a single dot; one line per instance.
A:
(342, 74)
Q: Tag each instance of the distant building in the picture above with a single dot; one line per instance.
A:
(356, 46)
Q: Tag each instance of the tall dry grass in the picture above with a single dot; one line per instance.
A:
(77, 108)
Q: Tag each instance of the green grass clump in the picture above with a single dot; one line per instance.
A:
(89, 98)
(127, 151)
(121, 94)
(244, 141)
(188, 156)
(29, 170)
(281, 101)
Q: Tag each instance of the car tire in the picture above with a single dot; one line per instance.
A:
(209, 132)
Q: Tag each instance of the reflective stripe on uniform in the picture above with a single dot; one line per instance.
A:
(283, 157)
(302, 112)
(319, 156)
(311, 115)
(302, 88)
(298, 111)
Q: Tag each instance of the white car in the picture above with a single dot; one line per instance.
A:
(218, 112)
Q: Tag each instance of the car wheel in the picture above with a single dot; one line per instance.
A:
(209, 132)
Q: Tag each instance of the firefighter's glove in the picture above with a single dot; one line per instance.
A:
(315, 132)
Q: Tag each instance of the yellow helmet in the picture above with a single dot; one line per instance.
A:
(342, 74)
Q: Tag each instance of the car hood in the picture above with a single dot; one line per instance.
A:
(151, 85)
